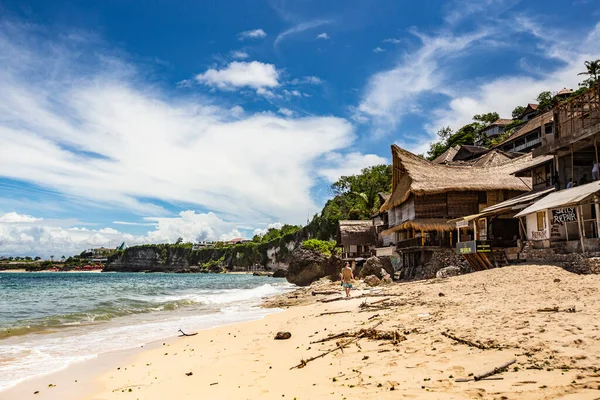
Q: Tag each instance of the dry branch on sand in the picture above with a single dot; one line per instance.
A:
(469, 342)
(360, 297)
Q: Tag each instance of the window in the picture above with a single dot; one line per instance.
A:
(482, 197)
(541, 217)
(548, 129)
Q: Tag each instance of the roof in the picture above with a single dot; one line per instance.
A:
(447, 156)
(563, 198)
(356, 232)
(529, 126)
(454, 153)
(536, 162)
(414, 175)
(383, 195)
(493, 158)
(431, 224)
(564, 91)
(499, 122)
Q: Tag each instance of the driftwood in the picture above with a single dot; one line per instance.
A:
(468, 342)
(548, 309)
(338, 336)
(325, 292)
(373, 316)
(491, 378)
(359, 297)
(339, 347)
(333, 312)
(187, 334)
(495, 370)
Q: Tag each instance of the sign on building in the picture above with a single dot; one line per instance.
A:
(562, 215)
(473, 246)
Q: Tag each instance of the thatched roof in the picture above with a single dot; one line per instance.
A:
(499, 122)
(492, 159)
(460, 152)
(529, 127)
(426, 225)
(415, 175)
(355, 232)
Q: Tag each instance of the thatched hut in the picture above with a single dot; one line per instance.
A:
(426, 195)
(357, 238)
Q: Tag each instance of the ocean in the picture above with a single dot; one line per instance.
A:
(51, 320)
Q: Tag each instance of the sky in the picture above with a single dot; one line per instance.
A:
(143, 122)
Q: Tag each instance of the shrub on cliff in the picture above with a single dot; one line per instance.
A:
(324, 247)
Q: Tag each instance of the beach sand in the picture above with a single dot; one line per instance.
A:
(557, 353)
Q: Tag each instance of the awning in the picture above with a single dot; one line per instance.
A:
(563, 198)
(466, 219)
(431, 224)
(524, 198)
(536, 162)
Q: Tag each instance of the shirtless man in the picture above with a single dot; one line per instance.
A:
(347, 277)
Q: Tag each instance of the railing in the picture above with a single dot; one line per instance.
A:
(356, 254)
(418, 242)
(578, 113)
(528, 144)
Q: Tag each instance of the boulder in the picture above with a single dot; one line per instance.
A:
(372, 280)
(373, 266)
(283, 336)
(386, 281)
(307, 266)
(447, 272)
(279, 273)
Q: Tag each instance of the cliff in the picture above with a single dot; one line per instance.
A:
(181, 258)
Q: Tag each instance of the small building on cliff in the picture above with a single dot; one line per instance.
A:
(425, 196)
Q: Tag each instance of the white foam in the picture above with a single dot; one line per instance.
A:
(23, 357)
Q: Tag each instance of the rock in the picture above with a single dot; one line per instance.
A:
(373, 266)
(307, 266)
(387, 281)
(262, 273)
(279, 273)
(447, 272)
(283, 336)
(372, 280)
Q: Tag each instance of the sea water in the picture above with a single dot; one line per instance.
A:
(51, 320)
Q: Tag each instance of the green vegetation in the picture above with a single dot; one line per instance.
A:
(355, 197)
(324, 247)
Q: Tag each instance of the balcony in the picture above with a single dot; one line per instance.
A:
(428, 242)
(528, 144)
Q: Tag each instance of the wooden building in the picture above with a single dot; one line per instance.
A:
(529, 135)
(357, 239)
(571, 154)
(426, 195)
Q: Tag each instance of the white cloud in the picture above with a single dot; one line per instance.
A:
(93, 124)
(241, 74)
(308, 80)
(392, 40)
(378, 50)
(22, 235)
(337, 165)
(260, 232)
(323, 35)
(286, 111)
(240, 54)
(14, 217)
(252, 34)
(305, 26)
(392, 93)
(237, 111)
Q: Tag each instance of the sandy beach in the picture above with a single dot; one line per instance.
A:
(488, 318)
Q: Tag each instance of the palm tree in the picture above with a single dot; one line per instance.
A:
(593, 71)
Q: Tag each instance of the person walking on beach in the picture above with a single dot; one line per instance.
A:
(347, 277)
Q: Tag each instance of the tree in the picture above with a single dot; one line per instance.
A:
(179, 240)
(487, 118)
(52, 258)
(593, 72)
(545, 102)
(364, 187)
(518, 111)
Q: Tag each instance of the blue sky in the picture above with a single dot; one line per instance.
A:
(144, 122)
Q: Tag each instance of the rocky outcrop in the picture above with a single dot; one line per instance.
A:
(307, 266)
(279, 273)
(447, 272)
(150, 259)
(372, 280)
(373, 266)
